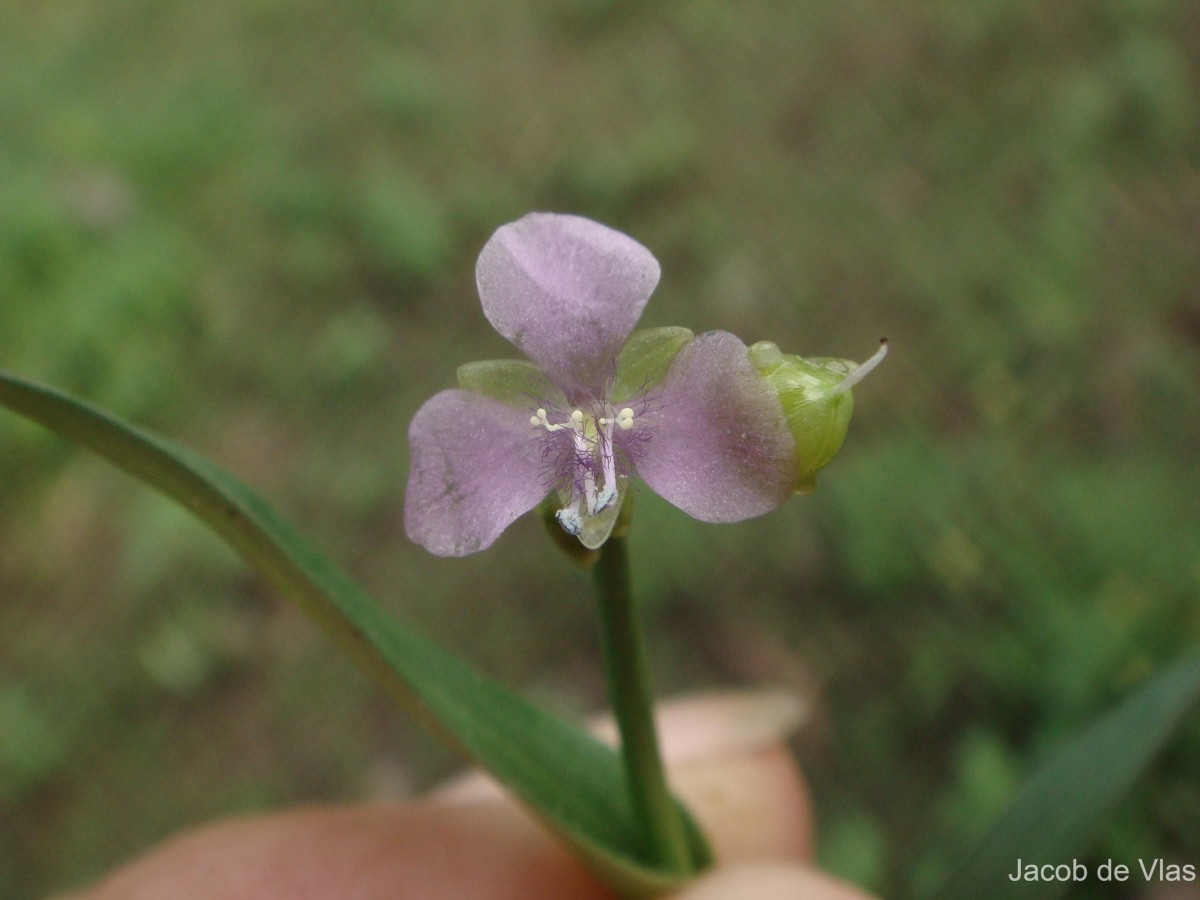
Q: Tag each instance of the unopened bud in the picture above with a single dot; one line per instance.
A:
(817, 402)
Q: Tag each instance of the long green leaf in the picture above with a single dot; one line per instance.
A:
(573, 782)
(1055, 816)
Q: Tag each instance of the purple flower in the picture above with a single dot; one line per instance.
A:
(691, 416)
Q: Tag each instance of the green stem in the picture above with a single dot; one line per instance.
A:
(632, 703)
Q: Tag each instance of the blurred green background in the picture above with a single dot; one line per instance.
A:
(252, 226)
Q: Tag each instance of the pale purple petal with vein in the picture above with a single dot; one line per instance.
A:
(474, 469)
(719, 449)
(568, 292)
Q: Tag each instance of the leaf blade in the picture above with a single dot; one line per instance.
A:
(1054, 817)
(571, 781)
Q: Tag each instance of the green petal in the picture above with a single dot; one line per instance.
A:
(645, 358)
(597, 528)
(512, 381)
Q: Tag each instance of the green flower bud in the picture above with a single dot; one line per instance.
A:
(817, 402)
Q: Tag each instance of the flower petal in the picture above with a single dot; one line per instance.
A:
(567, 291)
(719, 445)
(474, 469)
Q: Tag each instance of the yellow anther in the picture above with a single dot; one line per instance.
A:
(576, 424)
(624, 419)
(541, 421)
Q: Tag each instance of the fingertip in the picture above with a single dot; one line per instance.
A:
(728, 759)
(486, 850)
(770, 882)
(720, 723)
(753, 806)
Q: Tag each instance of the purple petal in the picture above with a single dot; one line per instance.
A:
(475, 467)
(719, 446)
(568, 292)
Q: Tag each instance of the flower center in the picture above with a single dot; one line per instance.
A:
(593, 466)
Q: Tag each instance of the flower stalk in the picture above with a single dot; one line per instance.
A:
(658, 816)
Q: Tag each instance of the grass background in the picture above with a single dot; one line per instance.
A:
(252, 226)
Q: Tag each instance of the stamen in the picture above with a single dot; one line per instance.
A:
(624, 419)
(570, 520)
(862, 371)
(540, 421)
(606, 496)
(583, 453)
(595, 487)
(608, 465)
